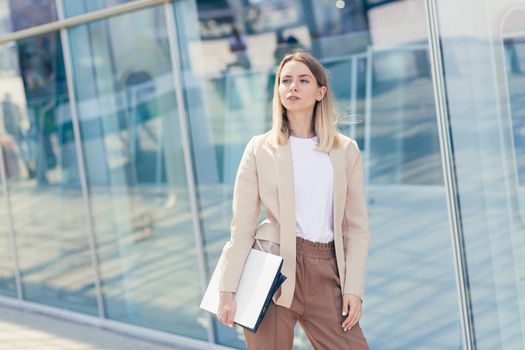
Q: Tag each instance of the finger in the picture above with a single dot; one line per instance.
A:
(231, 313)
(349, 313)
(346, 322)
(222, 318)
(348, 318)
(227, 318)
(354, 319)
(346, 303)
(351, 316)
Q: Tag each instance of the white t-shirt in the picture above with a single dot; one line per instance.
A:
(313, 184)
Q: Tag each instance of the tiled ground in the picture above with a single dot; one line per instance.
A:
(32, 331)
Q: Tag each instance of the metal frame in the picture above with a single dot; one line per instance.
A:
(449, 176)
(182, 117)
(64, 38)
(353, 93)
(368, 112)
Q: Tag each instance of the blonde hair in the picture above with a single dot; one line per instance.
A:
(324, 112)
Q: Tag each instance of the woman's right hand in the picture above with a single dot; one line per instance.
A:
(227, 308)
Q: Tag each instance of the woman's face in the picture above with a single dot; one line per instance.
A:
(298, 88)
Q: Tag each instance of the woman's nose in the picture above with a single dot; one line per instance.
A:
(293, 86)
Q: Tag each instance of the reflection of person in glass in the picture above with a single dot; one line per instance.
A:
(285, 45)
(239, 47)
(309, 177)
(39, 64)
(12, 118)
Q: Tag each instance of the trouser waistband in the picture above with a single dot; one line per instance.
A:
(315, 249)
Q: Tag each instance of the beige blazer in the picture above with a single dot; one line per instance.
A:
(265, 175)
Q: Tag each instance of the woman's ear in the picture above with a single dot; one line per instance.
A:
(321, 92)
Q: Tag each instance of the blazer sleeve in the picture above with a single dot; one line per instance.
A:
(356, 233)
(245, 214)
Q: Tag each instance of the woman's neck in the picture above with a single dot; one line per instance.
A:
(300, 124)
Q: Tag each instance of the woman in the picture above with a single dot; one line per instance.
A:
(309, 178)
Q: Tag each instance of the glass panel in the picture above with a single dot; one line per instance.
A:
(43, 177)
(78, 7)
(7, 276)
(377, 55)
(483, 52)
(22, 14)
(136, 173)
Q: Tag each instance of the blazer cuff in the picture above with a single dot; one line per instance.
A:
(355, 291)
(356, 296)
(232, 262)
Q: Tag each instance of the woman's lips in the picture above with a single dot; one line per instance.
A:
(293, 98)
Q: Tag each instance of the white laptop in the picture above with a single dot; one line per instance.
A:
(260, 278)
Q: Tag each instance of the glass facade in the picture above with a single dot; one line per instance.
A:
(77, 7)
(120, 139)
(484, 61)
(136, 174)
(42, 177)
(7, 275)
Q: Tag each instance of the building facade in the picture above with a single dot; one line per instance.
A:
(122, 124)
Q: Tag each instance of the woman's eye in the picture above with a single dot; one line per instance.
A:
(285, 81)
(304, 81)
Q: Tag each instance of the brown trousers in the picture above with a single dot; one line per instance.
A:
(317, 305)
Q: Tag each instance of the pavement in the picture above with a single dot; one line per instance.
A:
(20, 329)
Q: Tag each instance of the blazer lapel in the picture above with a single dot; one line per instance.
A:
(339, 167)
(286, 194)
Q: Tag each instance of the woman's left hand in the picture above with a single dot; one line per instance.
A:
(352, 308)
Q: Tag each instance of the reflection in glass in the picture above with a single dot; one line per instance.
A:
(136, 173)
(376, 53)
(7, 276)
(43, 178)
(483, 60)
(16, 15)
(79, 7)
(514, 48)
